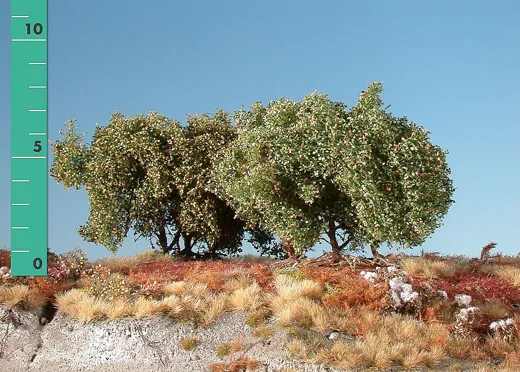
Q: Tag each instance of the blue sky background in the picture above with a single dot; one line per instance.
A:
(452, 67)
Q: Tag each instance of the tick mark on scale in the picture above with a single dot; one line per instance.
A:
(19, 16)
(37, 110)
(29, 157)
(28, 39)
(37, 87)
(37, 134)
(19, 204)
(20, 227)
(37, 63)
(19, 251)
(19, 180)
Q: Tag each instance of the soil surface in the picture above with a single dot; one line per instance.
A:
(144, 345)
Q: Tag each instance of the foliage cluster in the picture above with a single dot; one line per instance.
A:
(295, 170)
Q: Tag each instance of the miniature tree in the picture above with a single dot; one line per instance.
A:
(149, 173)
(304, 169)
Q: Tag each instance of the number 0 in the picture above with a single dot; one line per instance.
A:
(37, 263)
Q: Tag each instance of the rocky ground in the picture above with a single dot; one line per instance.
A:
(150, 344)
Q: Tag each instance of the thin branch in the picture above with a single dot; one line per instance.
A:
(346, 242)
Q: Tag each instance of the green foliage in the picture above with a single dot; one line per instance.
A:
(292, 169)
(264, 242)
(151, 174)
(300, 169)
(397, 179)
(127, 172)
(103, 284)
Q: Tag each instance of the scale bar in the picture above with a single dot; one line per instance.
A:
(19, 16)
(37, 63)
(29, 157)
(19, 251)
(37, 110)
(28, 39)
(19, 180)
(19, 227)
(19, 204)
(37, 134)
(37, 87)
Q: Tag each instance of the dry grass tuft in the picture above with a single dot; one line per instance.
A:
(303, 312)
(298, 349)
(217, 306)
(246, 299)
(82, 306)
(396, 339)
(120, 264)
(196, 289)
(428, 268)
(288, 288)
(355, 322)
(12, 296)
(495, 309)
(341, 355)
(119, 309)
(238, 365)
(144, 307)
(257, 317)
(230, 348)
(174, 288)
(263, 332)
(506, 272)
(189, 343)
(240, 282)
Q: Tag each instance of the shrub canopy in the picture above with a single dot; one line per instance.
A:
(301, 169)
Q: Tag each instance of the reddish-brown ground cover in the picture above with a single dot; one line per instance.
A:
(479, 285)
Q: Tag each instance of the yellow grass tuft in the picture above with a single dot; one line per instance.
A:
(506, 272)
(144, 307)
(196, 289)
(289, 288)
(117, 264)
(495, 309)
(12, 296)
(246, 299)
(263, 332)
(189, 343)
(297, 349)
(174, 288)
(119, 309)
(82, 306)
(171, 306)
(257, 317)
(396, 339)
(303, 312)
(428, 268)
(240, 282)
(218, 305)
(341, 355)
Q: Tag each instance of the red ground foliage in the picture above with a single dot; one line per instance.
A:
(159, 271)
(479, 285)
(213, 273)
(5, 258)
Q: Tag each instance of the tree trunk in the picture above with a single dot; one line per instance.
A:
(287, 245)
(374, 246)
(336, 253)
(187, 246)
(163, 239)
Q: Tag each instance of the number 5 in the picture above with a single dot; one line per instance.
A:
(37, 146)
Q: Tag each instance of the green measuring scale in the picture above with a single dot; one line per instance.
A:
(29, 170)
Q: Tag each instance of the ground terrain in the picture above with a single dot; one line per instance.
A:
(156, 313)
